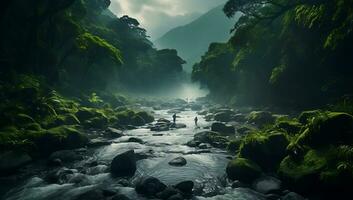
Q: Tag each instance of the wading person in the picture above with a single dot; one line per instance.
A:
(196, 119)
(174, 118)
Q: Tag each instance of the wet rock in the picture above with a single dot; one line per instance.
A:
(60, 176)
(292, 196)
(179, 161)
(113, 133)
(79, 179)
(55, 162)
(124, 164)
(149, 186)
(222, 128)
(185, 186)
(223, 116)
(243, 170)
(120, 197)
(11, 160)
(238, 184)
(135, 140)
(239, 118)
(193, 143)
(97, 170)
(209, 117)
(178, 125)
(244, 130)
(261, 118)
(267, 185)
(163, 120)
(108, 192)
(176, 197)
(66, 156)
(168, 192)
(157, 134)
(98, 142)
(203, 146)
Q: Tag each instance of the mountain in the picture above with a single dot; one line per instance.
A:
(192, 40)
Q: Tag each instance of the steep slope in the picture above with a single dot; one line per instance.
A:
(192, 40)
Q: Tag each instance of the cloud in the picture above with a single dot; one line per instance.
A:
(159, 16)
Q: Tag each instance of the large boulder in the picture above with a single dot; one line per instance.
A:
(146, 116)
(223, 116)
(328, 128)
(290, 126)
(13, 160)
(303, 174)
(179, 161)
(243, 170)
(124, 165)
(266, 150)
(267, 185)
(149, 186)
(261, 118)
(222, 128)
(185, 186)
(213, 138)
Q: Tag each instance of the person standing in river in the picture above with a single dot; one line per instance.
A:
(196, 119)
(174, 118)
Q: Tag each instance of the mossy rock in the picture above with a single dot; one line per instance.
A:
(303, 175)
(306, 116)
(137, 120)
(267, 150)
(243, 170)
(62, 137)
(88, 113)
(261, 118)
(125, 117)
(146, 116)
(328, 128)
(97, 123)
(290, 126)
(234, 145)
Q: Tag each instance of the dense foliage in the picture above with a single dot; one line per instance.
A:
(289, 53)
(80, 44)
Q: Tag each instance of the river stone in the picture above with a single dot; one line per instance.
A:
(135, 140)
(12, 160)
(113, 133)
(292, 196)
(168, 192)
(243, 170)
(267, 184)
(222, 116)
(124, 164)
(185, 186)
(178, 125)
(222, 128)
(98, 142)
(65, 156)
(176, 197)
(179, 161)
(149, 186)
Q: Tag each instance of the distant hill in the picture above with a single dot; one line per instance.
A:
(192, 40)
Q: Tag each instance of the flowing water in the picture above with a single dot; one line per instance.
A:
(205, 168)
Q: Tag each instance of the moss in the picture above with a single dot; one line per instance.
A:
(33, 127)
(23, 119)
(306, 116)
(328, 128)
(234, 145)
(261, 118)
(303, 174)
(96, 122)
(243, 170)
(290, 126)
(145, 116)
(266, 149)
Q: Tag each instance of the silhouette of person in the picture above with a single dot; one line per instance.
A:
(174, 118)
(196, 119)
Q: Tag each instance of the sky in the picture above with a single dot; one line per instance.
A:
(159, 16)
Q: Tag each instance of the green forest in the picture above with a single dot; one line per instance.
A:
(80, 118)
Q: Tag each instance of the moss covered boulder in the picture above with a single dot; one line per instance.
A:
(148, 118)
(328, 128)
(302, 175)
(266, 149)
(290, 126)
(306, 116)
(62, 137)
(243, 170)
(261, 118)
